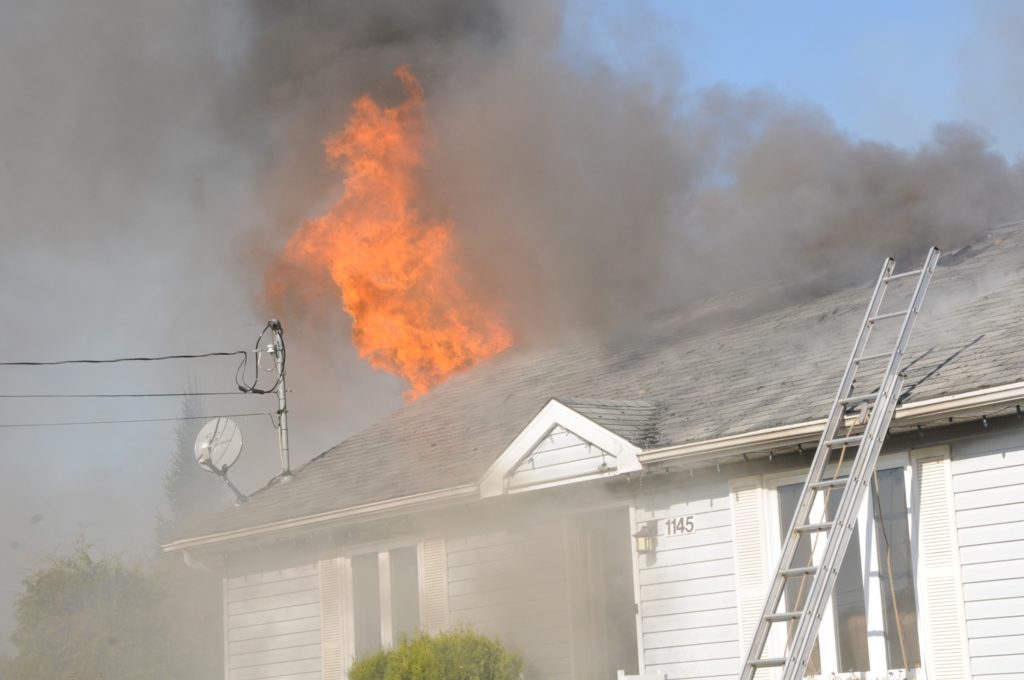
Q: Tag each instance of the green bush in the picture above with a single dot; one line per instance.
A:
(453, 655)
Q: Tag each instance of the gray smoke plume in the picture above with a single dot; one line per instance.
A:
(585, 196)
(157, 156)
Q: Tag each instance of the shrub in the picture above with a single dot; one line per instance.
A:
(452, 655)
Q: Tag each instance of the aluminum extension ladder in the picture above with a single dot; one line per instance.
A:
(878, 408)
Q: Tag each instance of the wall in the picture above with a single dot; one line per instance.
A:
(513, 585)
(688, 616)
(988, 488)
(560, 455)
(273, 624)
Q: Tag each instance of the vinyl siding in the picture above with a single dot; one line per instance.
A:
(273, 625)
(688, 616)
(512, 585)
(988, 487)
(560, 455)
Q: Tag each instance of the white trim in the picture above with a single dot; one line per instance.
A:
(637, 603)
(226, 627)
(790, 435)
(553, 414)
(384, 584)
(427, 611)
(348, 621)
(392, 506)
(751, 558)
(922, 570)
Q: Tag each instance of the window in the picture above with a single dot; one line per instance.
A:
(385, 598)
(870, 624)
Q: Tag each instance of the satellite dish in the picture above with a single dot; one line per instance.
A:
(218, 445)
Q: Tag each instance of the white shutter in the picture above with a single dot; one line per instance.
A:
(433, 586)
(749, 544)
(940, 599)
(331, 619)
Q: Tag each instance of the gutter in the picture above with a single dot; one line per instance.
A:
(709, 451)
(370, 510)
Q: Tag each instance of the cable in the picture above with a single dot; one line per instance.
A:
(240, 371)
(120, 360)
(119, 395)
(134, 420)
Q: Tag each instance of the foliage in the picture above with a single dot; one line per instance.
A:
(90, 619)
(106, 619)
(452, 655)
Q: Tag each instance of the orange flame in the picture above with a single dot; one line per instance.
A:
(396, 272)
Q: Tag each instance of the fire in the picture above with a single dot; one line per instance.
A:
(395, 271)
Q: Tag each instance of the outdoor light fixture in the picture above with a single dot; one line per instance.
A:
(647, 538)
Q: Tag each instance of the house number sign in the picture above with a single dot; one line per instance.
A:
(675, 526)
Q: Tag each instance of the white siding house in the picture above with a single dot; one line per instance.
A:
(687, 586)
(621, 506)
(988, 483)
(273, 625)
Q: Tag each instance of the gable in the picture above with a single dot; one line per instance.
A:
(560, 455)
(559, 446)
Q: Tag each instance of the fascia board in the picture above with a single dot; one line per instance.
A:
(976, 401)
(394, 506)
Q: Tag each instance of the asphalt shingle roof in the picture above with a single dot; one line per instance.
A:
(636, 421)
(738, 365)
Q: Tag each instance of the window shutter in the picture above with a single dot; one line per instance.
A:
(938, 572)
(749, 536)
(331, 619)
(433, 586)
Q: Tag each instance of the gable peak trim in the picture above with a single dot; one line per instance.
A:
(557, 414)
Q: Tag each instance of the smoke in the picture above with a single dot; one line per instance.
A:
(157, 156)
(590, 196)
(587, 194)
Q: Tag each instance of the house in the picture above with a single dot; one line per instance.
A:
(619, 505)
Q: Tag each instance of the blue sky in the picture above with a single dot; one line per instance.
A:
(883, 71)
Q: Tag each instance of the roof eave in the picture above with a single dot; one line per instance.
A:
(722, 448)
(706, 452)
(431, 499)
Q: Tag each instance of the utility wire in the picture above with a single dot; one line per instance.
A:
(120, 395)
(135, 420)
(239, 352)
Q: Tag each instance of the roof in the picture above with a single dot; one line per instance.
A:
(735, 366)
(635, 420)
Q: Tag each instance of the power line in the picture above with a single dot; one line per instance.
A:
(80, 395)
(62, 362)
(135, 420)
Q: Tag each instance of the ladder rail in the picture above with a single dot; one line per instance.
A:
(835, 419)
(855, 493)
(869, 444)
(838, 540)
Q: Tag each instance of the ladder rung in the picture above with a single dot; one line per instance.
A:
(811, 528)
(897, 277)
(859, 398)
(890, 315)
(769, 662)
(784, 616)
(798, 571)
(844, 441)
(828, 483)
(871, 357)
